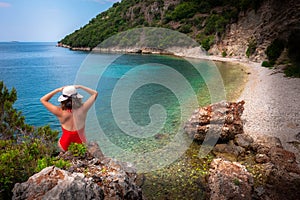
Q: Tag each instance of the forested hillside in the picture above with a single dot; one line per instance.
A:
(200, 19)
(258, 30)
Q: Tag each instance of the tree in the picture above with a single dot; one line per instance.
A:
(21, 145)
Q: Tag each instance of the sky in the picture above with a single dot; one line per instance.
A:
(46, 20)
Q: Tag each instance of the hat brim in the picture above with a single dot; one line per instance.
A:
(63, 98)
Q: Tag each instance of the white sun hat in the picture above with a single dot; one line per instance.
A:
(69, 91)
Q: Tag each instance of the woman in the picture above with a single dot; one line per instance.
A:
(71, 113)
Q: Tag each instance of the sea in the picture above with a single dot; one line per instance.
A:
(143, 101)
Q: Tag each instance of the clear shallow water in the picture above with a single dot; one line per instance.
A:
(140, 96)
(142, 104)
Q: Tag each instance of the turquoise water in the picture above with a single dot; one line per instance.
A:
(138, 117)
(143, 100)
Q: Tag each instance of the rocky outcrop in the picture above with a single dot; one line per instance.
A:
(229, 180)
(247, 168)
(221, 121)
(244, 167)
(274, 19)
(90, 177)
(55, 183)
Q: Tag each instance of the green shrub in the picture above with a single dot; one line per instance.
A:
(266, 64)
(207, 42)
(185, 28)
(21, 145)
(77, 150)
(293, 71)
(47, 161)
(274, 50)
(184, 10)
(224, 53)
(251, 48)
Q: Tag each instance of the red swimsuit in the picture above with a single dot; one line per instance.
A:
(71, 136)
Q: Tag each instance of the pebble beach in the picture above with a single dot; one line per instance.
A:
(272, 106)
(272, 103)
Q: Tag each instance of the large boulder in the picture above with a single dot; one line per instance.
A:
(91, 176)
(217, 121)
(229, 180)
(54, 183)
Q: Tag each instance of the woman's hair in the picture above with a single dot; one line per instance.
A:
(71, 103)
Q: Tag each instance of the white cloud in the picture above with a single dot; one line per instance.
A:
(4, 5)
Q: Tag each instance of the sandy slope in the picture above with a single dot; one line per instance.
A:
(272, 106)
(272, 103)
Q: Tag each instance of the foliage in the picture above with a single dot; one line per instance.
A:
(77, 150)
(251, 48)
(183, 10)
(274, 50)
(293, 53)
(207, 42)
(293, 71)
(21, 145)
(215, 23)
(224, 54)
(266, 64)
(50, 161)
(129, 14)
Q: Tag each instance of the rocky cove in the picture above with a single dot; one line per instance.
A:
(237, 167)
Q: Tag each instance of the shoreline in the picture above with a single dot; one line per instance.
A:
(271, 104)
(271, 99)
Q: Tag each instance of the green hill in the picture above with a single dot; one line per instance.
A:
(202, 20)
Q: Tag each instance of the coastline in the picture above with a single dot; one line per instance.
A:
(271, 99)
(271, 104)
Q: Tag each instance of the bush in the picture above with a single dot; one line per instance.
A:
(224, 53)
(274, 50)
(266, 64)
(293, 71)
(47, 161)
(184, 10)
(251, 48)
(77, 150)
(207, 42)
(21, 146)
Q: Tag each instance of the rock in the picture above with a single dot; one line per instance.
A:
(284, 159)
(222, 150)
(261, 158)
(54, 183)
(221, 121)
(264, 143)
(229, 180)
(243, 140)
(89, 177)
(94, 150)
(273, 19)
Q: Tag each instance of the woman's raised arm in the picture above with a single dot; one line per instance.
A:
(88, 104)
(45, 101)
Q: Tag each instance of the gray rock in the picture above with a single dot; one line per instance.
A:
(54, 183)
(243, 140)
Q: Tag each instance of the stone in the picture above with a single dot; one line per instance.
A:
(264, 143)
(229, 148)
(54, 183)
(243, 140)
(284, 159)
(90, 177)
(261, 158)
(229, 180)
(95, 151)
(217, 121)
